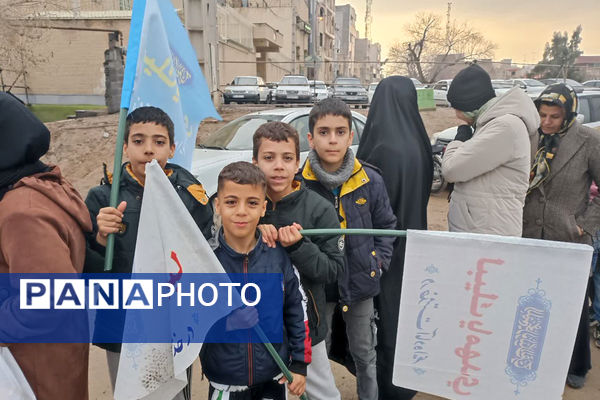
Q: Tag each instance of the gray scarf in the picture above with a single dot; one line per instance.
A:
(332, 180)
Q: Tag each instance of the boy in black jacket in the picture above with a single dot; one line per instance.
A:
(358, 193)
(319, 260)
(245, 371)
(149, 134)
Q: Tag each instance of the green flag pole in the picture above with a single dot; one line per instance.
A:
(275, 355)
(366, 232)
(114, 187)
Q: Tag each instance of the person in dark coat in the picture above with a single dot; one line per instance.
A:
(557, 206)
(395, 141)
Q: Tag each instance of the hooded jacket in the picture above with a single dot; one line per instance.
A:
(491, 170)
(42, 225)
(248, 364)
(131, 190)
(319, 259)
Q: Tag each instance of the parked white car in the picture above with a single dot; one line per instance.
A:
(418, 84)
(592, 85)
(532, 87)
(440, 91)
(501, 86)
(246, 89)
(233, 142)
(588, 114)
(318, 90)
(293, 89)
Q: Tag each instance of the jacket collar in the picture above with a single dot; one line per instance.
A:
(297, 189)
(234, 254)
(570, 143)
(358, 178)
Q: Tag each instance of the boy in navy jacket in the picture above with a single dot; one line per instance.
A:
(246, 371)
(358, 193)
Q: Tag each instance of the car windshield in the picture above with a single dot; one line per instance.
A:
(532, 82)
(372, 86)
(294, 80)
(416, 82)
(347, 82)
(245, 81)
(237, 135)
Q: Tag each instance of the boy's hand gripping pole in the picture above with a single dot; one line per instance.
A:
(284, 369)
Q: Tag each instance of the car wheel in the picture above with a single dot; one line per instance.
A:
(226, 101)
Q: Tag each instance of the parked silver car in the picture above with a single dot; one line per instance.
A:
(532, 87)
(350, 90)
(246, 89)
(233, 142)
(293, 89)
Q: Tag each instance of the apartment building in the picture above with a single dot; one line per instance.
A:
(367, 57)
(345, 39)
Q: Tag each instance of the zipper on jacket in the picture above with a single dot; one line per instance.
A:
(336, 202)
(314, 307)
(245, 269)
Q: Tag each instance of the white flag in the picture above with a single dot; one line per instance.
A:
(489, 317)
(152, 371)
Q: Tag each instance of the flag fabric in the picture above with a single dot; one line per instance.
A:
(156, 371)
(162, 71)
(485, 316)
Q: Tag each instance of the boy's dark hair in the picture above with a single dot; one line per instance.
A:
(242, 173)
(277, 132)
(150, 115)
(329, 106)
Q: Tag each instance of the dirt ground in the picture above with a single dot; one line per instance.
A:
(80, 147)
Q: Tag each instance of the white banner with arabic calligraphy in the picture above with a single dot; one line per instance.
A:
(491, 317)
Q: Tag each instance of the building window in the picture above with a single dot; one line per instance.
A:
(321, 39)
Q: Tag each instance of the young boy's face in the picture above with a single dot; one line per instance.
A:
(147, 141)
(331, 138)
(279, 163)
(240, 208)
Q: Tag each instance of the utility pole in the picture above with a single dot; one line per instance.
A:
(448, 20)
(368, 20)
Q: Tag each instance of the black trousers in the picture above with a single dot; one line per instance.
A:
(581, 360)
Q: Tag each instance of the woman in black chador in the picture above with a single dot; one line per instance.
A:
(395, 141)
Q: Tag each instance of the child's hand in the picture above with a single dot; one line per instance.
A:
(269, 234)
(289, 235)
(298, 385)
(109, 221)
(242, 318)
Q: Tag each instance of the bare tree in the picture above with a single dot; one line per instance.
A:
(430, 48)
(21, 27)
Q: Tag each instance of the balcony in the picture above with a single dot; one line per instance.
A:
(266, 38)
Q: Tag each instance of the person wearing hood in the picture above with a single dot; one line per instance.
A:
(395, 141)
(489, 160)
(557, 207)
(42, 225)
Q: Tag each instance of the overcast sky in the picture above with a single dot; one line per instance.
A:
(520, 28)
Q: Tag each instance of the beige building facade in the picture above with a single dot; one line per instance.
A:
(345, 41)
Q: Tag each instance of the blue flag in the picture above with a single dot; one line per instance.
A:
(162, 71)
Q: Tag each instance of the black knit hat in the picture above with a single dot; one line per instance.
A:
(470, 89)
